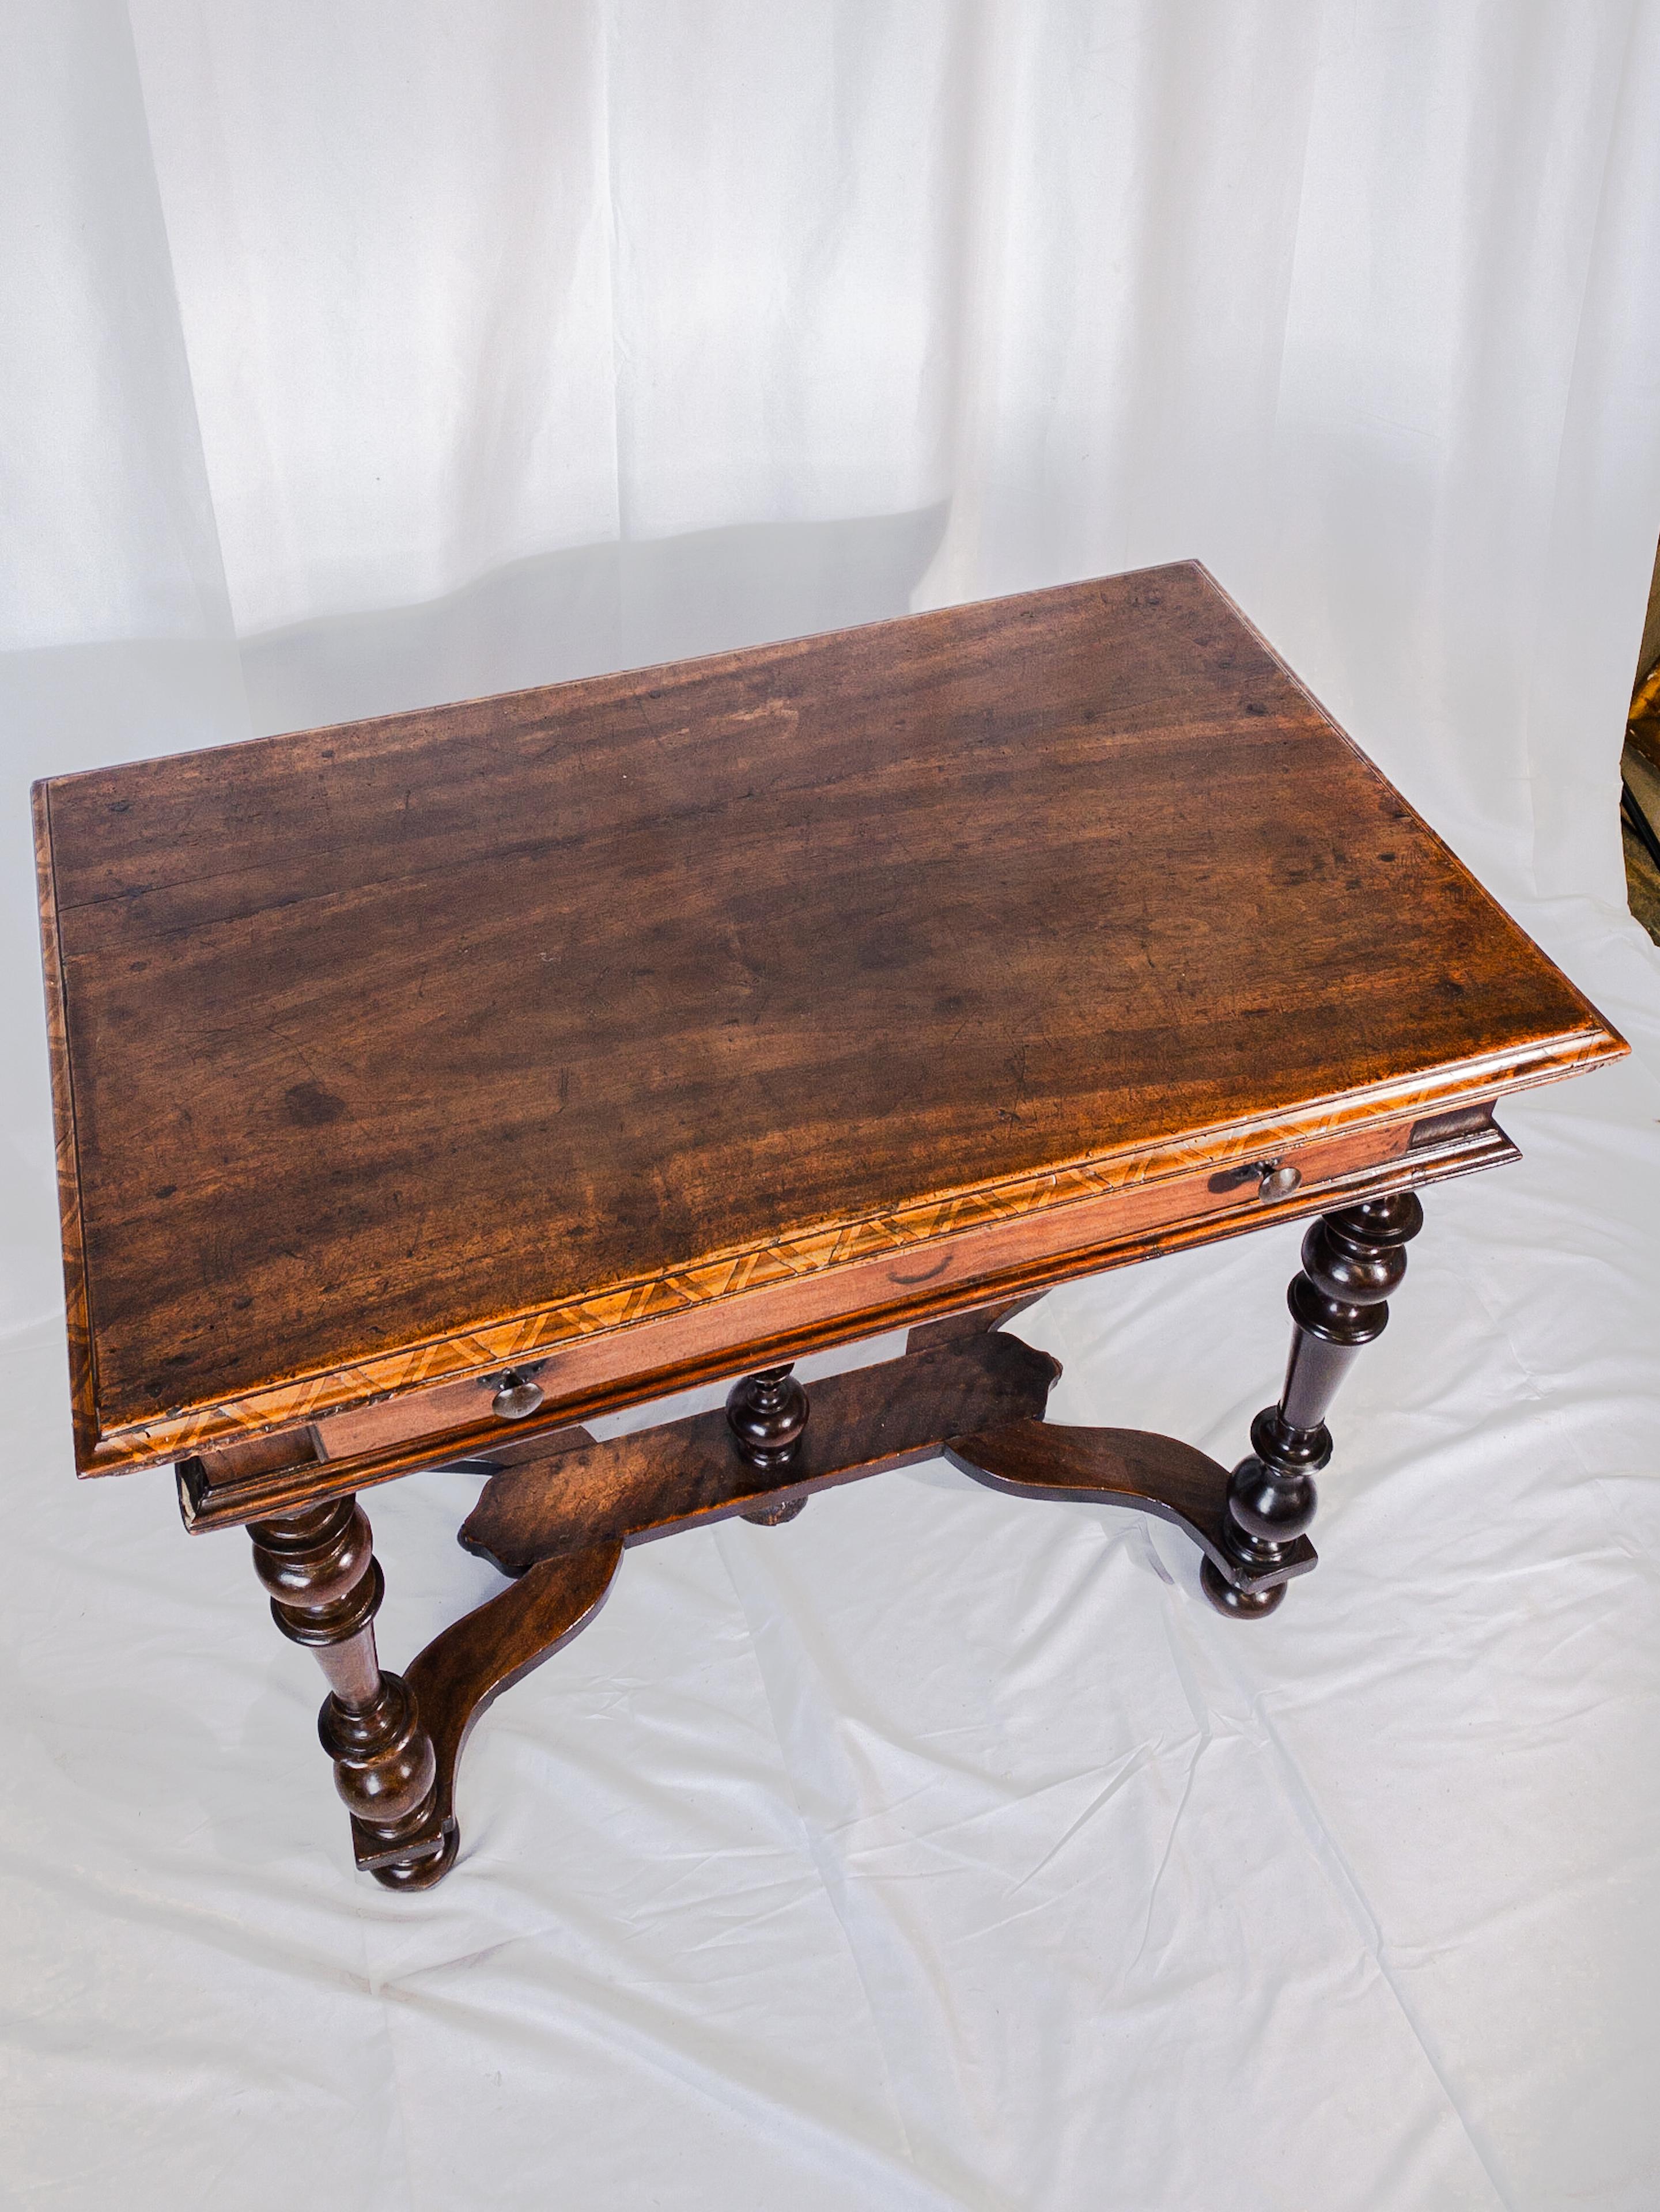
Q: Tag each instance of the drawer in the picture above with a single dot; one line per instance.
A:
(468, 1404)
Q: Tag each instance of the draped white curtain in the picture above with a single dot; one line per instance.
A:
(360, 355)
(324, 311)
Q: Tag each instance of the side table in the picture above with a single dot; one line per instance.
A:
(428, 1086)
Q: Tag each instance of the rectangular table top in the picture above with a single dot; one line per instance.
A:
(389, 1050)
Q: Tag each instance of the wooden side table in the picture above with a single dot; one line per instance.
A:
(427, 1085)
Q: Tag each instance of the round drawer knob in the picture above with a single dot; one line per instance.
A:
(514, 1397)
(1278, 1183)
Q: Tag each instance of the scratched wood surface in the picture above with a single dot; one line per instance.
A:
(372, 1036)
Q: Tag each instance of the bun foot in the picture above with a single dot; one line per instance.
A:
(773, 1516)
(422, 1873)
(1237, 1604)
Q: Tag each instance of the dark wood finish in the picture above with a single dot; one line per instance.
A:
(560, 1518)
(284, 1456)
(531, 1057)
(775, 1515)
(231, 1494)
(1353, 1262)
(560, 1522)
(686, 1473)
(1044, 1244)
(326, 1587)
(505, 1031)
(766, 1414)
(1123, 1467)
(465, 1669)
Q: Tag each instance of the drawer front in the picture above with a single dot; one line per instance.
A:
(434, 1411)
(864, 1288)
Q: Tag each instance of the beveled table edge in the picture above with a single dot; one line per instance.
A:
(218, 1501)
(723, 1279)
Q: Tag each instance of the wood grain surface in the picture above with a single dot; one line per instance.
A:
(560, 1522)
(269, 1471)
(1157, 1474)
(382, 1049)
(632, 1489)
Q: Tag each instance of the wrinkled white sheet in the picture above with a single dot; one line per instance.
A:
(937, 1850)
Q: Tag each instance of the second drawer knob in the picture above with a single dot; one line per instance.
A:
(516, 1397)
(1277, 1181)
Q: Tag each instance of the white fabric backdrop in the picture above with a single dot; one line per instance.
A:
(936, 1850)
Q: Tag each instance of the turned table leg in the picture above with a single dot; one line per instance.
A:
(1352, 1261)
(325, 1588)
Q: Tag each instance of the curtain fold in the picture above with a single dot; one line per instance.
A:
(325, 313)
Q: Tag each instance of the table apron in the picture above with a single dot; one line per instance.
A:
(246, 1478)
